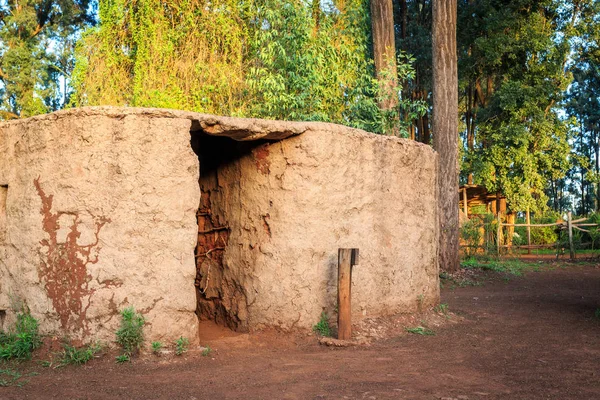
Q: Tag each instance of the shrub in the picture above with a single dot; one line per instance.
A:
(470, 232)
(322, 327)
(130, 335)
(181, 345)
(156, 347)
(20, 344)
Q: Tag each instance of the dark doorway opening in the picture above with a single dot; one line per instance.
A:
(219, 178)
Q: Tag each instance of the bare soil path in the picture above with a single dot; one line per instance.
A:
(530, 337)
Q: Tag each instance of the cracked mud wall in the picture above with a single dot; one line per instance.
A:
(99, 214)
(291, 204)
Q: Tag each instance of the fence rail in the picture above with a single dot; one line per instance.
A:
(568, 225)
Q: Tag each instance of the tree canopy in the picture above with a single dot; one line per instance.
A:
(36, 53)
(529, 74)
(285, 59)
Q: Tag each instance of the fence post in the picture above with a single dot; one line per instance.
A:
(465, 207)
(570, 226)
(498, 231)
(346, 259)
(528, 232)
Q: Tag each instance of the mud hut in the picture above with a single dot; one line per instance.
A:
(187, 216)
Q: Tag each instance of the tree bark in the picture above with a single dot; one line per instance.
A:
(597, 163)
(384, 52)
(445, 128)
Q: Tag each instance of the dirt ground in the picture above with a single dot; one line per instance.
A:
(529, 337)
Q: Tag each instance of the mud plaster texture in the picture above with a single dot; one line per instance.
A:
(291, 204)
(98, 211)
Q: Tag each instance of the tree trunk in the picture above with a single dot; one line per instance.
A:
(597, 153)
(470, 126)
(384, 52)
(426, 134)
(582, 171)
(403, 19)
(445, 128)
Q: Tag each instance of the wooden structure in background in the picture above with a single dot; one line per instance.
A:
(471, 196)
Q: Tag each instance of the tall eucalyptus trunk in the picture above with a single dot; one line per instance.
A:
(445, 129)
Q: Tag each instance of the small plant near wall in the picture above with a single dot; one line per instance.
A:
(78, 356)
(181, 345)
(20, 343)
(130, 335)
(123, 358)
(157, 347)
(441, 308)
(206, 351)
(322, 327)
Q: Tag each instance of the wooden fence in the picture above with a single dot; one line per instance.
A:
(568, 225)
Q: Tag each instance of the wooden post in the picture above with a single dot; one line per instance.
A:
(346, 259)
(498, 233)
(466, 209)
(570, 227)
(528, 232)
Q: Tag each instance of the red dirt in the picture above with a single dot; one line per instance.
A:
(532, 337)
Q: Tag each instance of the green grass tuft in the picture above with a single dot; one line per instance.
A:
(322, 327)
(19, 345)
(156, 347)
(75, 356)
(123, 358)
(420, 330)
(441, 308)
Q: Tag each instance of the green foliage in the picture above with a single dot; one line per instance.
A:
(478, 234)
(130, 335)
(512, 267)
(322, 327)
(420, 330)
(513, 58)
(156, 347)
(123, 358)
(441, 308)
(594, 231)
(206, 351)
(583, 105)
(540, 235)
(9, 376)
(13, 377)
(73, 355)
(20, 344)
(36, 53)
(277, 59)
(471, 234)
(181, 345)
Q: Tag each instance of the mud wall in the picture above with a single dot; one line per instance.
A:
(291, 204)
(101, 208)
(98, 212)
